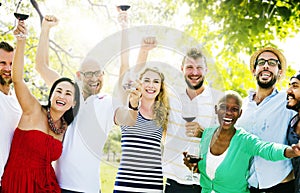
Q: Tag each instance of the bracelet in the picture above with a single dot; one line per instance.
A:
(134, 108)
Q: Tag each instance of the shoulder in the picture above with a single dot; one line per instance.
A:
(244, 135)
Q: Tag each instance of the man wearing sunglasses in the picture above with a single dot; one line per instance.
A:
(265, 115)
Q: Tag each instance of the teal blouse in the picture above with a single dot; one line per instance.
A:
(231, 176)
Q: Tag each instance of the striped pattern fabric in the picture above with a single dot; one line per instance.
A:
(140, 168)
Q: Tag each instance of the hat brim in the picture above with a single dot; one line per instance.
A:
(280, 56)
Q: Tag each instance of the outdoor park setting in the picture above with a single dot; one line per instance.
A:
(228, 31)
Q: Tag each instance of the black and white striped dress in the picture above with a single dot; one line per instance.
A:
(140, 168)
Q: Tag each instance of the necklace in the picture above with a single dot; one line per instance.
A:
(52, 124)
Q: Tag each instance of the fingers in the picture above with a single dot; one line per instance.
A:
(21, 31)
(123, 18)
(193, 129)
(149, 43)
(50, 21)
(186, 161)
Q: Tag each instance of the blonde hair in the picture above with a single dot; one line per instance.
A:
(161, 105)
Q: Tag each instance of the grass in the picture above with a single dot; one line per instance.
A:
(108, 176)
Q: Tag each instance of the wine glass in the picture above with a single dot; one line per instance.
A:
(129, 85)
(123, 7)
(20, 16)
(189, 110)
(194, 157)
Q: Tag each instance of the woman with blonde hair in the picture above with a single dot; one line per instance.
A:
(146, 122)
(143, 122)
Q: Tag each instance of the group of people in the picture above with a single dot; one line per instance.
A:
(243, 146)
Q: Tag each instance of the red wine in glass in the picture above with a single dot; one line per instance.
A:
(20, 16)
(189, 119)
(194, 158)
(124, 7)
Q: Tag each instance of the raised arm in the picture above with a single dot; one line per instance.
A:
(27, 101)
(148, 44)
(42, 53)
(123, 20)
(124, 115)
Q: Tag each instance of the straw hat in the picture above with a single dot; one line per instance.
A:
(280, 56)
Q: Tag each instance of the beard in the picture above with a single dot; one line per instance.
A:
(295, 107)
(5, 81)
(266, 84)
(196, 87)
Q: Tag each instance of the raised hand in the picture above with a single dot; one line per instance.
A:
(149, 43)
(49, 21)
(123, 19)
(21, 31)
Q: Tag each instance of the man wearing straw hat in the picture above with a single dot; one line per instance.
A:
(293, 134)
(265, 115)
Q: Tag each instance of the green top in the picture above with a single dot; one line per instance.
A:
(231, 175)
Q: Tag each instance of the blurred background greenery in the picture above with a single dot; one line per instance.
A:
(230, 30)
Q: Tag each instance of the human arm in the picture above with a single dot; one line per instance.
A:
(123, 20)
(148, 44)
(128, 116)
(26, 100)
(42, 53)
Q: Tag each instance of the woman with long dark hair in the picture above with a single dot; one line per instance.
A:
(37, 140)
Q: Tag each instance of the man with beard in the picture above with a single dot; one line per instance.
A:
(293, 134)
(10, 110)
(265, 115)
(184, 136)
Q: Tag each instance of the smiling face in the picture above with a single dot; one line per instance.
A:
(293, 95)
(194, 71)
(5, 67)
(91, 76)
(267, 75)
(151, 84)
(63, 96)
(228, 111)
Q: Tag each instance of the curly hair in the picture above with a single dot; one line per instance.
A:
(161, 105)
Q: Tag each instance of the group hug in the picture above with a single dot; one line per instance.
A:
(227, 145)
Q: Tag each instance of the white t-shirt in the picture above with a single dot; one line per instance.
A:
(10, 114)
(177, 141)
(78, 168)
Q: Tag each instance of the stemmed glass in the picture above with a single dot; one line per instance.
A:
(189, 114)
(189, 110)
(20, 16)
(129, 85)
(194, 157)
(123, 7)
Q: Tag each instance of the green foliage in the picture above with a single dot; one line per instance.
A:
(108, 176)
(238, 27)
